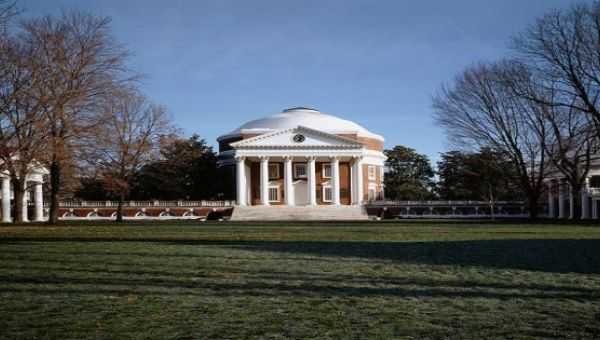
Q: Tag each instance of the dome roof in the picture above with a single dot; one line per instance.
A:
(301, 116)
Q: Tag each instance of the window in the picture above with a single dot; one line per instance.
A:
(273, 170)
(327, 194)
(381, 173)
(371, 172)
(273, 194)
(300, 170)
(326, 170)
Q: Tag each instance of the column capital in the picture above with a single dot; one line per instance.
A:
(334, 158)
(240, 158)
(264, 158)
(311, 158)
(287, 158)
(358, 158)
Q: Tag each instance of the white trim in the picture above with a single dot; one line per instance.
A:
(369, 156)
(244, 132)
(142, 213)
(349, 143)
(93, 213)
(319, 153)
(166, 213)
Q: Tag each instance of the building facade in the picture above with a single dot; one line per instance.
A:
(562, 201)
(301, 156)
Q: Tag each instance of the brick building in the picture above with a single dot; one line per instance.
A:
(303, 157)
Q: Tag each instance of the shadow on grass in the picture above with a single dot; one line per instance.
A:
(417, 289)
(547, 255)
(559, 256)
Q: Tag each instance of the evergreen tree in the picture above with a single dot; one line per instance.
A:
(409, 174)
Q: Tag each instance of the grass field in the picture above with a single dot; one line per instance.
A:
(316, 280)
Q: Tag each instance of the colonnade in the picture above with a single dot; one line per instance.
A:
(589, 207)
(242, 181)
(5, 202)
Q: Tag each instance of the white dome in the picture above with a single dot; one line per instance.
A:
(301, 116)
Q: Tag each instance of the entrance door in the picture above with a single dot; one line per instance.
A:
(300, 193)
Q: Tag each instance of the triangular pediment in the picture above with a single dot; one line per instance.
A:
(301, 138)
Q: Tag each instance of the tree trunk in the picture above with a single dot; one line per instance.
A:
(120, 208)
(533, 204)
(54, 191)
(19, 193)
(491, 198)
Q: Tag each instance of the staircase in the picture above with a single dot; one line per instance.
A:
(300, 213)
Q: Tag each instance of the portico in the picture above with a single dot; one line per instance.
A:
(301, 183)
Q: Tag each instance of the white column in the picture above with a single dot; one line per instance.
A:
(335, 180)
(551, 205)
(248, 172)
(6, 200)
(358, 180)
(594, 209)
(585, 206)
(311, 180)
(571, 202)
(38, 198)
(241, 180)
(287, 177)
(25, 207)
(562, 199)
(264, 180)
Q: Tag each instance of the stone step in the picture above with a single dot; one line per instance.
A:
(299, 213)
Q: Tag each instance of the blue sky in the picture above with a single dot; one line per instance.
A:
(217, 64)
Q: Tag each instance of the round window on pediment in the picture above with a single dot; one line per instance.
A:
(298, 138)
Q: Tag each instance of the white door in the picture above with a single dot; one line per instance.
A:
(300, 193)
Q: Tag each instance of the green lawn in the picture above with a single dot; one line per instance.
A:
(316, 280)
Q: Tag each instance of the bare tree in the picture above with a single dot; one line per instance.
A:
(126, 140)
(480, 111)
(8, 10)
(22, 138)
(81, 64)
(570, 150)
(562, 48)
(568, 135)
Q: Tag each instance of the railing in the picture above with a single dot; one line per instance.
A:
(441, 203)
(594, 191)
(156, 203)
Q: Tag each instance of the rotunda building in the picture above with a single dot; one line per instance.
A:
(302, 156)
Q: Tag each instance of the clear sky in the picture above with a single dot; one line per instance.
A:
(217, 64)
